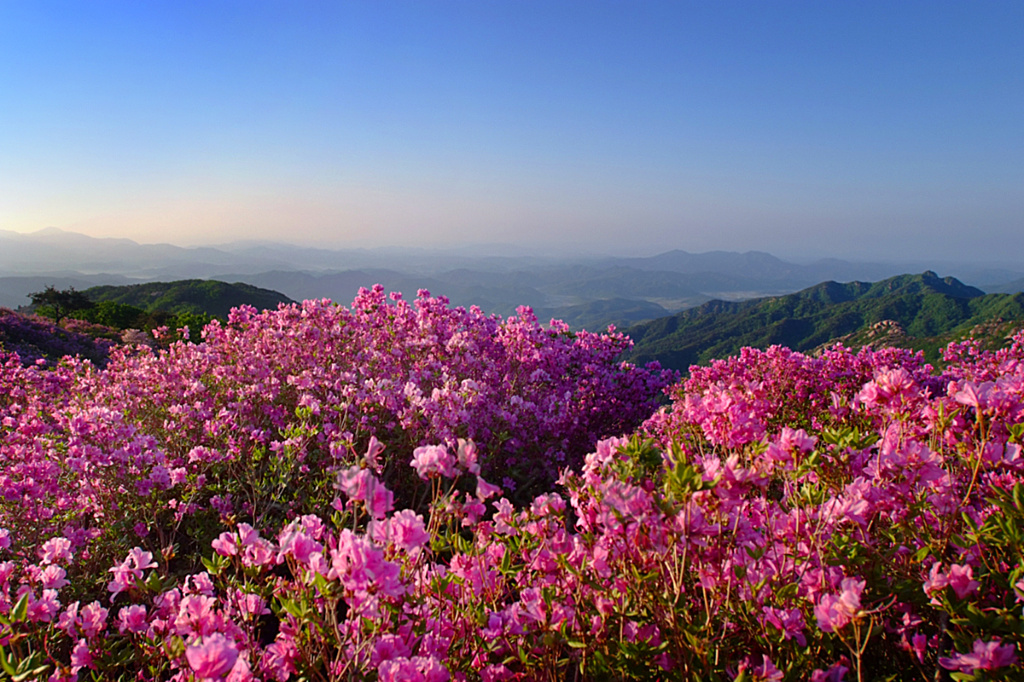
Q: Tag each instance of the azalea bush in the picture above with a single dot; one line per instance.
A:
(37, 339)
(328, 493)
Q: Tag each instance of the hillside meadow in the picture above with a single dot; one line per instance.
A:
(401, 490)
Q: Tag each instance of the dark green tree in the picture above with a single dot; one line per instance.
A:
(58, 303)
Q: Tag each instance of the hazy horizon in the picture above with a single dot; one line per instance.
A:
(862, 131)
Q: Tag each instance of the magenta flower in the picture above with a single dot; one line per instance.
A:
(408, 531)
(81, 657)
(485, 490)
(960, 579)
(836, 673)
(214, 656)
(833, 612)
(765, 672)
(398, 669)
(132, 619)
(44, 608)
(985, 656)
(388, 647)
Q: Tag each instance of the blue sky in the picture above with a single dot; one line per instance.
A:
(848, 129)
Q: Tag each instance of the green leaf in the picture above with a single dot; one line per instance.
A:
(20, 609)
(30, 674)
(154, 583)
(921, 554)
(291, 607)
(6, 662)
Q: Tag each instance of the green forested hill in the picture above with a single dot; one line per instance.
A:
(195, 296)
(918, 311)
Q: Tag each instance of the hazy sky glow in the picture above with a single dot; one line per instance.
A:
(852, 129)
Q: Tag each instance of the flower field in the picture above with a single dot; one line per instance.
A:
(406, 491)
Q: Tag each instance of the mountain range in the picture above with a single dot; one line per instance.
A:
(586, 292)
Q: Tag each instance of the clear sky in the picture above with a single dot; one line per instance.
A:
(844, 128)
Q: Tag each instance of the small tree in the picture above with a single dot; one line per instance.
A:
(58, 303)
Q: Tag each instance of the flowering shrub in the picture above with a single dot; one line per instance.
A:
(849, 516)
(35, 338)
(258, 420)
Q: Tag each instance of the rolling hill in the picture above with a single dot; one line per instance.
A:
(917, 311)
(194, 296)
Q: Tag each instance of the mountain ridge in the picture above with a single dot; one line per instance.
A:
(926, 306)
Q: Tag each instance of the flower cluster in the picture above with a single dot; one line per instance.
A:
(786, 517)
(36, 339)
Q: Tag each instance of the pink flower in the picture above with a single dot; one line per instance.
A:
(935, 582)
(399, 669)
(836, 673)
(93, 619)
(132, 619)
(919, 645)
(388, 647)
(467, 456)
(833, 612)
(299, 545)
(791, 623)
(381, 500)
(430, 461)
(226, 544)
(960, 579)
(250, 605)
(974, 395)
(44, 608)
(214, 656)
(81, 657)
(985, 656)
(53, 577)
(485, 490)
(417, 669)
(373, 448)
(54, 550)
(260, 553)
(765, 672)
(362, 486)
(408, 531)
(130, 570)
(353, 482)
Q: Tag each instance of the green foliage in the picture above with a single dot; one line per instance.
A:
(113, 314)
(59, 303)
(192, 296)
(923, 312)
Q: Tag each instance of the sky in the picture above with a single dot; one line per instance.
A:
(851, 129)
